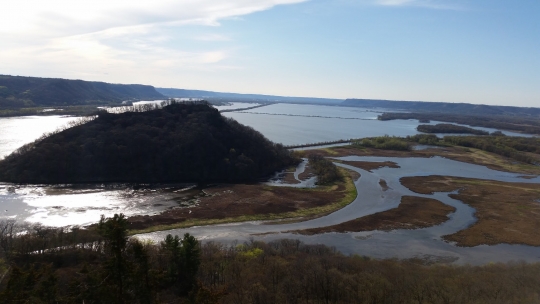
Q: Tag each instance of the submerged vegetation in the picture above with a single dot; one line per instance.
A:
(179, 143)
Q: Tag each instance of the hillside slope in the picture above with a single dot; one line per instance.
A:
(18, 92)
(179, 143)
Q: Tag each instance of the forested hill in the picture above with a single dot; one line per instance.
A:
(179, 143)
(19, 92)
(442, 107)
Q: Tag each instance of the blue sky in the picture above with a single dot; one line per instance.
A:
(481, 51)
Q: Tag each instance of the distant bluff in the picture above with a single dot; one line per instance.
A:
(20, 92)
(179, 143)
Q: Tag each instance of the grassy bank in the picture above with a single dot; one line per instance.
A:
(349, 191)
(456, 152)
(413, 213)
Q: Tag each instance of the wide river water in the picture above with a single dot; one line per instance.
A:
(291, 125)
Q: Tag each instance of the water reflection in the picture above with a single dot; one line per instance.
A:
(61, 206)
(84, 204)
(17, 131)
(313, 124)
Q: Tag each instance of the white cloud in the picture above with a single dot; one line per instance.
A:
(83, 16)
(115, 37)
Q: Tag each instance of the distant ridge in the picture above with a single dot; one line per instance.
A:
(228, 97)
(442, 107)
(20, 91)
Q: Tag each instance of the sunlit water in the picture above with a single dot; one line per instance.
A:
(17, 131)
(61, 206)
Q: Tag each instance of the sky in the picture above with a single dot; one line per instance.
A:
(474, 51)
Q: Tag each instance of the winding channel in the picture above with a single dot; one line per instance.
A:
(420, 243)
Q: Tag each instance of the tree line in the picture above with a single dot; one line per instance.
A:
(113, 268)
(102, 265)
(325, 169)
(383, 142)
(523, 149)
(530, 125)
(449, 128)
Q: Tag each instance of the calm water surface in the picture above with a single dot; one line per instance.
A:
(421, 243)
(292, 124)
(81, 205)
(61, 206)
(17, 131)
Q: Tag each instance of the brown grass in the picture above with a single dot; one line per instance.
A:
(412, 213)
(239, 202)
(506, 212)
(467, 155)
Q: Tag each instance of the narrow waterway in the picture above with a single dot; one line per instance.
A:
(421, 243)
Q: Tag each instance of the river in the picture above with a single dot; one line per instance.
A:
(420, 243)
(292, 125)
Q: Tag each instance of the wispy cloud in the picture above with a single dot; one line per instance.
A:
(433, 4)
(213, 37)
(117, 36)
(62, 17)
